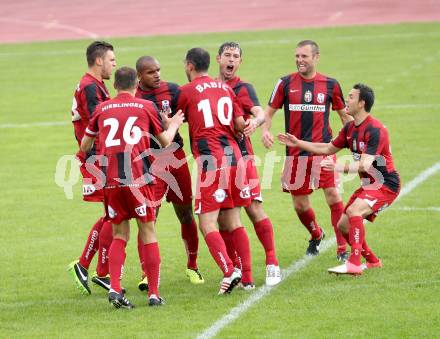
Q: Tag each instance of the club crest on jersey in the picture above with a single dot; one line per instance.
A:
(308, 96)
(220, 195)
(141, 210)
(321, 98)
(361, 146)
(166, 106)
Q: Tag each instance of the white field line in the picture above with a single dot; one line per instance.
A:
(296, 266)
(51, 25)
(242, 42)
(61, 123)
(406, 208)
(36, 124)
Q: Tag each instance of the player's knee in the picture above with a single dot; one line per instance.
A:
(301, 207)
(255, 211)
(353, 211)
(185, 216)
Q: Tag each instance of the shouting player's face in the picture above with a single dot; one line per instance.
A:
(108, 65)
(353, 105)
(229, 62)
(306, 61)
(150, 75)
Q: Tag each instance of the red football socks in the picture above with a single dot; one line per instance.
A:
(116, 259)
(152, 265)
(191, 240)
(140, 247)
(230, 248)
(308, 219)
(368, 254)
(241, 244)
(92, 244)
(357, 237)
(217, 248)
(264, 230)
(336, 212)
(105, 241)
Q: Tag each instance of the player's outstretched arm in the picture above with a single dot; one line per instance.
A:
(167, 136)
(87, 143)
(319, 148)
(344, 116)
(267, 137)
(255, 122)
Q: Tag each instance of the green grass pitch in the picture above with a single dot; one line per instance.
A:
(42, 231)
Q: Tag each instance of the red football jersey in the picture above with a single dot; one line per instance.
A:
(307, 107)
(210, 107)
(247, 98)
(89, 93)
(370, 137)
(124, 125)
(165, 99)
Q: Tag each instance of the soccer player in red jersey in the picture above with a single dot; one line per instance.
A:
(90, 92)
(124, 125)
(368, 140)
(307, 97)
(213, 113)
(176, 187)
(229, 59)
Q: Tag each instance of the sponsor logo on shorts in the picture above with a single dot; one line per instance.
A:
(307, 108)
(88, 189)
(141, 210)
(111, 212)
(245, 193)
(219, 195)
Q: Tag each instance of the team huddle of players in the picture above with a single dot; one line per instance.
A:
(131, 157)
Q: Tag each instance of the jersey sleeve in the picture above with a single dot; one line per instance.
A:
(236, 108)
(156, 126)
(341, 139)
(248, 97)
(93, 128)
(338, 101)
(277, 98)
(373, 141)
(91, 98)
(174, 93)
(180, 102)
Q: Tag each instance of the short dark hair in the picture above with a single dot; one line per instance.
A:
(199, 58)
(315, 47)
(97, 49)
(227, 45)
(140, 63)
(366, 94)
(125, 79)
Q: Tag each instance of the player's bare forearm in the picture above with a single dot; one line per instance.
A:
(344, 116)
(266, 136)
(86, 143)
(318, 148)
(361, 166)
(166, 137)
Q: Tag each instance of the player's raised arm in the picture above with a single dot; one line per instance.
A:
(319, 148)
(167, 136)
(256, 121)
(345, 118)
